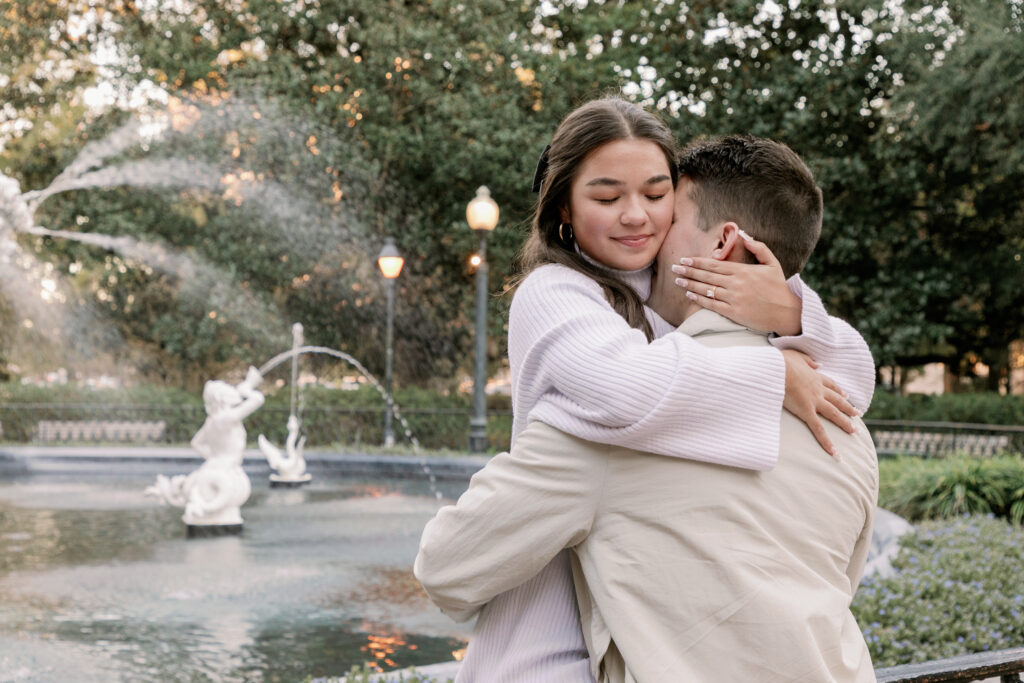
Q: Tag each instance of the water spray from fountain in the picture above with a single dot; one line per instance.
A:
(289, 216)
(295, 352)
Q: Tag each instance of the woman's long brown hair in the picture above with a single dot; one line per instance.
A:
(586, 128)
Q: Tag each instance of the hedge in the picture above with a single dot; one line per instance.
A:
(982, 408)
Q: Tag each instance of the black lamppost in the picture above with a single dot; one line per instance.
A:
(390, 263)
(482, 216)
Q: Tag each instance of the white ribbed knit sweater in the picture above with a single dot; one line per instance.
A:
(578, 366)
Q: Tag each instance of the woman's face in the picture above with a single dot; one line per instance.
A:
(621, 202)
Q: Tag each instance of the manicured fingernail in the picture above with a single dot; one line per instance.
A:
(691, 295)
(686, 261)
(681, 282)
(744, 235)
(679, 270)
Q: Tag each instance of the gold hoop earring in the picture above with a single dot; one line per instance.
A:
(561, 233)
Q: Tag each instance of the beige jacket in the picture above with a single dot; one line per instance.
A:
(685, 571)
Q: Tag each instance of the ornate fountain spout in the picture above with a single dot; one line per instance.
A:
(290, 466)
(214, 494)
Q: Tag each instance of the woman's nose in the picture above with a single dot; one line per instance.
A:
(633, 213)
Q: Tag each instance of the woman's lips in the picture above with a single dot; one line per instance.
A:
(633, 241)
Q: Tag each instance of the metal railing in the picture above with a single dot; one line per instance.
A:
(943, 438)
(87, 423)
(1006, 664)
(329, 426)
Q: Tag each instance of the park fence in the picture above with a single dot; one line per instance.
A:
(356, 427)
(323, 427)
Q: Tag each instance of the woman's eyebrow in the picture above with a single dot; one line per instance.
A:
(614, 182)
(605, 181)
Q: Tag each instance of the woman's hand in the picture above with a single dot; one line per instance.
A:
(753, 295)
(809, 394)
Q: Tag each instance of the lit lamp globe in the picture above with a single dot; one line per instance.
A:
(389, 260)
(482, 211)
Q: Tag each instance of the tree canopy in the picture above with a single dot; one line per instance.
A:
(330, 125)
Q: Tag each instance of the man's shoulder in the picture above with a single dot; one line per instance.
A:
(858, 460)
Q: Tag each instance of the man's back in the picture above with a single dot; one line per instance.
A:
(697, 572)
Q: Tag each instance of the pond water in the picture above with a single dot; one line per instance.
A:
(99, 583)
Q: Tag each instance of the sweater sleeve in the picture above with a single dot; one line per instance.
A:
(579, 367)
(840, 350)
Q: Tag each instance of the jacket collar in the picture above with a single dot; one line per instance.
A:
(708, 322)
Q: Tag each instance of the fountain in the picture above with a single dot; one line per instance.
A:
(292, 210)
(290, 466)
(324, 565)
(214, 494)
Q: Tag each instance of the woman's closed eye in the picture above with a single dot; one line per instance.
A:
(612, 200)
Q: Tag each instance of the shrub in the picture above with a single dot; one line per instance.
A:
(330, 416)
(982, 408)
(930, 488)
(958, 588)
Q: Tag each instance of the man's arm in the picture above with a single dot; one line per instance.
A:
(517, 514)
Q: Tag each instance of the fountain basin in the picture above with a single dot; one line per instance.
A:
(99, 583)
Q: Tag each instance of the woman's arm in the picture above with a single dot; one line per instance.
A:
(519, 511)
(758, 296)
(578, 366)
(839, 349)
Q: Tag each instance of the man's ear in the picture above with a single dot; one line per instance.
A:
(730, 244)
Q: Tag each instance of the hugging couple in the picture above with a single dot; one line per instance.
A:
(690, 491)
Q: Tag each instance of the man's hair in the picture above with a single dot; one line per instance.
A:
(762, 186)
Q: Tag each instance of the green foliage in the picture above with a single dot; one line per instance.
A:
(331, 418)
(980, 408)
(17, 393)
(930, 488)
(957, 589)
(902, 112)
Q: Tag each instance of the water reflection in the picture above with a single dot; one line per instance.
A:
(99, 584)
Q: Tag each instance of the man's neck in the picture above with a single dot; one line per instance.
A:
(669, 299)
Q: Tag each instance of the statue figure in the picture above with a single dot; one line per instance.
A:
(290, 466)
(214, 494)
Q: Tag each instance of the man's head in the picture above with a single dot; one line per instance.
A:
(759, 185)
(731, 184)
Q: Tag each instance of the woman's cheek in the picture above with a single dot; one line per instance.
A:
(664, 215)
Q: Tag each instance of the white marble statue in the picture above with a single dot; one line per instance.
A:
(214, 494)
(290, 466)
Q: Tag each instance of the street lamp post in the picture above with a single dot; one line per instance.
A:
(390, 263)
(482, 216)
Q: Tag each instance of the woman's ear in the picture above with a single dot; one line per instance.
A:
(728, 241)
(564, 214)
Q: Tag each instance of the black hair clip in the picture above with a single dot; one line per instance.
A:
(542, 170)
